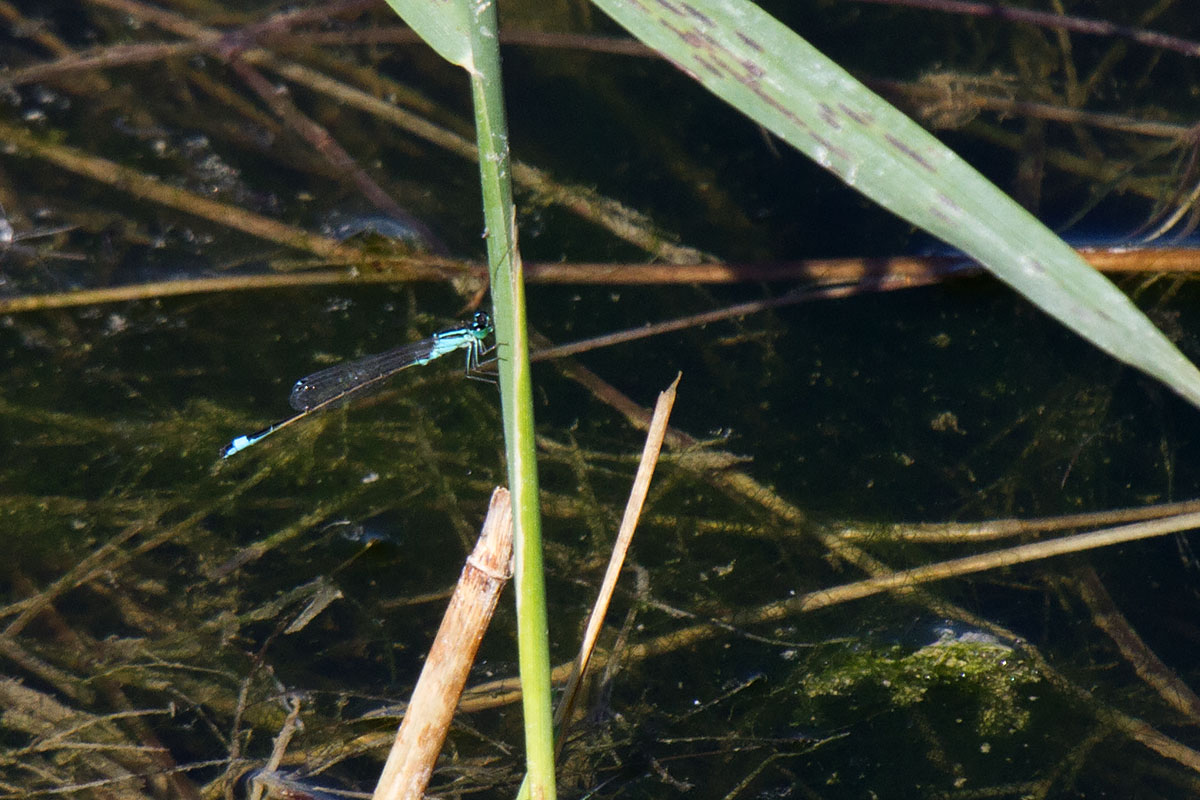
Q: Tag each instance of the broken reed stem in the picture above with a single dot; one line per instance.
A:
(427, 718)
(633, 511)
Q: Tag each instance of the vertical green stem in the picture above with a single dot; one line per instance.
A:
(516, 396)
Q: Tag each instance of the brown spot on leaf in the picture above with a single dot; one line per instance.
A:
(831, 148)
(909, 152)
(746, 40)
(829, 116)
(861, 117)
(697, 15)
(709, 67)
(952, 211)
(752, 69)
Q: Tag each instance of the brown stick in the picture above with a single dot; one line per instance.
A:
(989, 530)
(141, 185)
(1149, 667)
(864, 273)
(324, 143)
(1054, 21)
(622, 221)
(410, 763)
(633, 511)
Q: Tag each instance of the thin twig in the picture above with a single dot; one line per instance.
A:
(795, 297)
(926, 95)
(144, 186)
(278, 748)
(1145, 662)
(1044, 19)
(907, 580)
(324, 143)
(633, 511)
(853, 275)
(394, 270)
(959, 532)
(606, 212)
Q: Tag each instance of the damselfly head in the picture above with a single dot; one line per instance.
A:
(481, 323)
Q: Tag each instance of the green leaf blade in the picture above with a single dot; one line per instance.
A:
(445, 25)
(775, 77)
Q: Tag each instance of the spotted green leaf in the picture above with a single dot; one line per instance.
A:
(769, 73)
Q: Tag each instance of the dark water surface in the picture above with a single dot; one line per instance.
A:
(150, 586)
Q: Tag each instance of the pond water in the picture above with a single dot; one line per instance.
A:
(165, 608)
